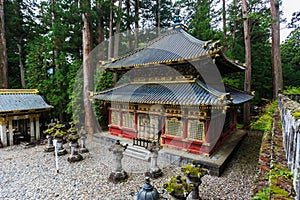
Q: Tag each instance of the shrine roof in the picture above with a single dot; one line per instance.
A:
(174, 46)
(176, 93)
(16, 100)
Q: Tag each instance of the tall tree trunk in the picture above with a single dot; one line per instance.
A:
(118, 27)
(158, 16)
(88, 74)
(234, 27)
(128, 22)
(110, 40)
(21, 66)
(100, 27)
(56, 47)
(276, 58)
(100, 23)
(224, 24)
(247, 82)
(3, 55)
(136, 23)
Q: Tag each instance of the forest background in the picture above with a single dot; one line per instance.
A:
(45, 46)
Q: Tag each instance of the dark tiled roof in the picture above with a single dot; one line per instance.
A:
(178, 93)
(12, 100)
(173, 46)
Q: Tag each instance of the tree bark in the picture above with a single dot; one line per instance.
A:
(136, 23)
(100, 27)
(158, 16)
(224, 24)
(21, 65)
(110, 40)
(247, 81)
(234, 27)
(88, 73)
(276, 58)
(118, 27)
(3, 53)
(100, 23)
(128, 24)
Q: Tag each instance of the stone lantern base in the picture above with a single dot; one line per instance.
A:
(49, 149)
(60, 149)
(75, 158)
(154, 173)
(61, 152)
(117, 177)
(83, 150)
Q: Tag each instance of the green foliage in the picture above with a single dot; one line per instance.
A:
(19, 25)
(265, 121)
(178, 187)
(202, 23)
(263, 194)
(57, 131)
(149, 12)
(259, 24)
(290, 55)
(194, 170)
(292, 90)
(105, 82)
(296, 115)
(278, 172)
(53, 55)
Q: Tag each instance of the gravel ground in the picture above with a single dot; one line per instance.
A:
(31, 174)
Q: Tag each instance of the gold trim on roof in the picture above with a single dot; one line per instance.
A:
(19, 91)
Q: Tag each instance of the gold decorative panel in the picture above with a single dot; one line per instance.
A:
(128, 120)
(144, 125)
(196, 130)
(174, 127)
(115, 117)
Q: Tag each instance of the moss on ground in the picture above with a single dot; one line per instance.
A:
(279, 177)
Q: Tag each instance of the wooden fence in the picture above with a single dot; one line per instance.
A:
(291, 135)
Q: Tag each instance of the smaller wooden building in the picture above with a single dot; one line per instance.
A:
(20, 111)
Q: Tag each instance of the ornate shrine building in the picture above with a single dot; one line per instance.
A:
(172, 93)
(20, 111)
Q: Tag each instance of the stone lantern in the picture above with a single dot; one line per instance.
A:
(73, 139)
(178, 188)
(49, 147)
(194, 172)
(147, 192)
(154, 171)
(118, 174)
(82, 148)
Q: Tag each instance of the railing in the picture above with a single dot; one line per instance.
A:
(294, 97)
(291, 135)
(142, 142)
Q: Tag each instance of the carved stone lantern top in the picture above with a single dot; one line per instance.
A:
(118, 147)
(147, 192)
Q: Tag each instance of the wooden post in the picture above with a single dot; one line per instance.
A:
(3, 132)
(32, 132)
(11, 134)
(37, 128)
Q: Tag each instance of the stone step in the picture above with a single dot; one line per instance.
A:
(137, 152)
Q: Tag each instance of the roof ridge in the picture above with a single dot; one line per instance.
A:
(143, 47)
(239, 90)
(18, 91)
(111, 89)
(201, 84)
